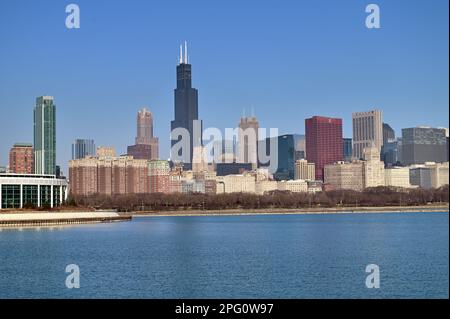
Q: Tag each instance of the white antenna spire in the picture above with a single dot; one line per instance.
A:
(185, 53)
(181, 53)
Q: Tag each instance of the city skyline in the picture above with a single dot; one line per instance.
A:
(72, 100)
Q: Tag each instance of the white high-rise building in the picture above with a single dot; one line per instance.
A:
(373, 168)
(367, 131)
(247, 150)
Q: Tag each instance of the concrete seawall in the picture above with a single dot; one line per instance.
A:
(59, 218)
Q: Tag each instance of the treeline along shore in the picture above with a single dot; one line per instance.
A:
(374, 199)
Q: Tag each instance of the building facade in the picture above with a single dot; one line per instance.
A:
(159, 171)
(373, 168)
(305, 170)
(146, 145)
(397, 177)
(113, 176)
(21, 158)
(348, 149)
(45, 136)
(30, 191)
(242, 183)
(323, 142)
(342, 175)
(82, 148)
(367, 131)
(293, 186)
(423, 144)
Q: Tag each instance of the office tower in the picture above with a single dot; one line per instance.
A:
(323, 142)
(367, 130)
(389, 150)
(286, 157)
(144, 124)
(82, 148)
(373, 167)
(45, 136)
(146, 146)
(423, 144)
(347, 144)
(305, 170)
(285, 154)
(300, 146)
(186, 110)
(247, 148)
(21, 158)
(388, 133)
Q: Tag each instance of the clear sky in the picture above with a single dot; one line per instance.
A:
(289, 60)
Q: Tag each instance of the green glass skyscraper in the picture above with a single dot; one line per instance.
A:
(45, 136)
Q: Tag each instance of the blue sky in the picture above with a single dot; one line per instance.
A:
(289, 60)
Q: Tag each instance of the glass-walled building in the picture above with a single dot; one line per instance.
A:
(82, 148)
(45, 136)
(31, 191)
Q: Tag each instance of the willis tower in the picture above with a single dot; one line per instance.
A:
(186, 112)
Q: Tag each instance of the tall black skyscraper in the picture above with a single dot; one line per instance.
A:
(186, 105)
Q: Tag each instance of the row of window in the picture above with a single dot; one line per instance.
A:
(11, 196)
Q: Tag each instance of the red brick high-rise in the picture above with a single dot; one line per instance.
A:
(323, 142)
(146, 146)
(21, 159)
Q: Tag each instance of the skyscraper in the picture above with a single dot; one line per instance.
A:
(285, 153)
(389, 149)
(388, 134)
(347, 143)
(423, 144)
(367, 130)
(45, 136)
(21, 158)
(144, 127)
(82, 148)
(323, 142)
(146, 146)
(248, 141)
(186, 110)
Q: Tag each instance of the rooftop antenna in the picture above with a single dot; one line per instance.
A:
(181, 53)
(243, 112)
(253, 111)
(185, 53)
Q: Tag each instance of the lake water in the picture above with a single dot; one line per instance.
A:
(265, 256)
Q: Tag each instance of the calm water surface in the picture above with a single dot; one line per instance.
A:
(269, 256)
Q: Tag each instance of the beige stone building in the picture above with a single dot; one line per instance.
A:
(373, 168)
(304, 170)
(397, 177)
(342, 175)
(239, 183)
(367, 131)
(263, 186)
(294, 186)
(439, 174)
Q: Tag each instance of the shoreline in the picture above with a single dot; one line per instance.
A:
(299, 211)
(44, 219)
